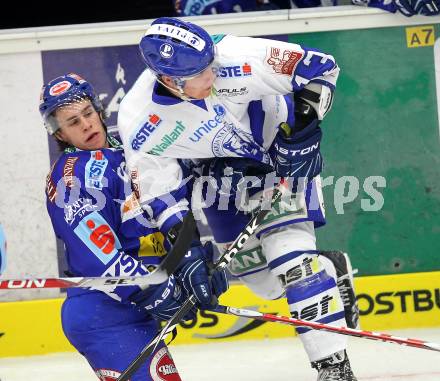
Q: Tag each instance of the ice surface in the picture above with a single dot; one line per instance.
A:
(268, 360)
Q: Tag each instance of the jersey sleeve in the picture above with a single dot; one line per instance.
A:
(83, 191)
(277, 67)
(160, 186)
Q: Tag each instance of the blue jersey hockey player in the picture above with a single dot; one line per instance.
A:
(95, 212)
(219, 104)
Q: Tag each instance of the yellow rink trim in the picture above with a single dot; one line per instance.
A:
(386, 302)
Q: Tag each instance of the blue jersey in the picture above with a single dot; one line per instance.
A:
(105, 233)
(2, 250)
(96, 214)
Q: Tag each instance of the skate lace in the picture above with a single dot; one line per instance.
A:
(330, 374)
(338, 372)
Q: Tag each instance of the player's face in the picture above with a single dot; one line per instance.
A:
(81, 126)
(200, 87)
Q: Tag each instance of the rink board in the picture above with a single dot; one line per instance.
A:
(386, 302)
(387, 97)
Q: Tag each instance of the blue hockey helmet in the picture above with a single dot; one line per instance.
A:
(61, 91)
(176, 48)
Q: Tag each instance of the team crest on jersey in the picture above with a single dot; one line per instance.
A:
(283, 61)
(231, 141)
(162, 367)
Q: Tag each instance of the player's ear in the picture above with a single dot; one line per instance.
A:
(60, 136)
(168, 81)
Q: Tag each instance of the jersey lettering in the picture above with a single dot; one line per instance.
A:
(235, 71)
(94, 171)
(145, 131)
(126, 265)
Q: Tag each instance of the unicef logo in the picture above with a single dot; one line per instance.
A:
(166, 50)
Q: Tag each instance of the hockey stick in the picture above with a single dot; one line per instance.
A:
(224, 260)
(160, 275)
(385, 337)
(156, 277)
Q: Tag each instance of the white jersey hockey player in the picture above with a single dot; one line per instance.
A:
(220, 101)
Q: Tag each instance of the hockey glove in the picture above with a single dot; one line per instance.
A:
(415, 7)
(298, 156)
(163, 301)
(198, 279)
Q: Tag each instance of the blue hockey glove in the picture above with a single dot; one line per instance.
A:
(198, 279)
(298, 156)
(418, 7)
(163, 301)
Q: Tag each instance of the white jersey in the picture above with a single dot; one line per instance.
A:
(240, 118)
